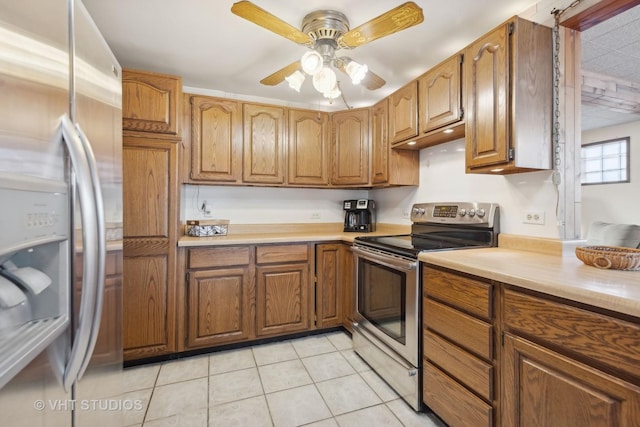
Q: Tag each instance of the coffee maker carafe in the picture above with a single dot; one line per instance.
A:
(359, 215)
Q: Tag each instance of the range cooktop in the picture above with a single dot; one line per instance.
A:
(441, 226)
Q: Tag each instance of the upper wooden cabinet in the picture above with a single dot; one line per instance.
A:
(151, 102)
(380, 143)
(350, 147)
(440, 95)
(308, 148)
(403, 113)
(264, 144)
(508, 84)
(216, 139)
(388, 165)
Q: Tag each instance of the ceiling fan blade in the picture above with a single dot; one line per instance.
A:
(397, 19)
(259, 16)
(372, 81)
(278, 77)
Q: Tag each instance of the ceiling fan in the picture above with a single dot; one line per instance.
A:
(325, 32)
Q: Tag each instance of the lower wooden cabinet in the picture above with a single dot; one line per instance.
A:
(241, 293)
(512, 357)
(566, 365)
(219, 306)
(348, 287)
(282, 299)
(545, 388)
(329, 284)
(459, 355)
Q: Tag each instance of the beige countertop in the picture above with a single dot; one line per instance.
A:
(562, 276)
(281, 233)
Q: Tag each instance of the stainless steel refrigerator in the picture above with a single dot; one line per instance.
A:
(60, 219)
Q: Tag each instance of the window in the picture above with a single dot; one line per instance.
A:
(605, 162)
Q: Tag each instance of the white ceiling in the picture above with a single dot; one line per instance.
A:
(612, 48)
(220, 53)
(213, 49)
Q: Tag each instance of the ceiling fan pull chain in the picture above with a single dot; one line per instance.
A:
(557, 147)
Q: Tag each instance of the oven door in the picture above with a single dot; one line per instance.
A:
(387, 297)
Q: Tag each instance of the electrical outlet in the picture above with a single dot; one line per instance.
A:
(406, 213)
(315, 215)
(533, 217)
(206, 210)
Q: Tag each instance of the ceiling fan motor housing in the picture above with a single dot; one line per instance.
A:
(325, 24)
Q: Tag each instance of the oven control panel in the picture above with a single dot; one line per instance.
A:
(473, 213)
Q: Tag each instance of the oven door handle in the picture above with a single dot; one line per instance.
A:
(385, 259)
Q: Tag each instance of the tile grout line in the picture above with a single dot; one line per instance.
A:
(264, 394)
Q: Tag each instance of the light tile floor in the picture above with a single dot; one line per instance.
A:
(312, 381)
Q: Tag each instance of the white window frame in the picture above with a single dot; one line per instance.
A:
(624, 161)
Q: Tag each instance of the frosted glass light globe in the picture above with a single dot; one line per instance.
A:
(324, 80)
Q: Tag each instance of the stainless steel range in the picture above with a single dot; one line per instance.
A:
(386, 333)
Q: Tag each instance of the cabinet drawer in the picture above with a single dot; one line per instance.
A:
(470, 295)
(457, 406)
(223, 256)
(460, 328)
(281, 253)
(463, 366)
(596, 337)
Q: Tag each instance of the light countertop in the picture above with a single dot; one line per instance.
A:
(283, 233)
(562, 276)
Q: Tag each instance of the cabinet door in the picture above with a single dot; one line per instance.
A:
(440, 96)
(486, 83)
(349, 286)
(219, 306)
(150, 220)
(151, 102)
(403, 113)
(329, 285)
(282, 298)
(264, 144)
(379, 143)
(308, 147)
(216, 139)
(350, 147)
(147, 188)
(148, 312)
(543, 388)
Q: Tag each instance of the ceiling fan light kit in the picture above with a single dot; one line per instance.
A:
(311, 62)
(325, 80)
(324, 32)
(295, 80)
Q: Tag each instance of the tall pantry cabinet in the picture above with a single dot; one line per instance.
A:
(151, 134)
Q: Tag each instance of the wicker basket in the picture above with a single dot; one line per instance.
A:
(613, 257)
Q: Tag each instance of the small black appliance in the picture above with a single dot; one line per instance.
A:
(359, 215)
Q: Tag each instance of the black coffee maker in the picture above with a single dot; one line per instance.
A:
(359, 215)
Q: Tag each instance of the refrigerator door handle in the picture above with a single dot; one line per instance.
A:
(102, 250)
(86, 197)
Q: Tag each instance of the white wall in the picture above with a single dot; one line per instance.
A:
(265, 205)
(442, 179)
(619, 203)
